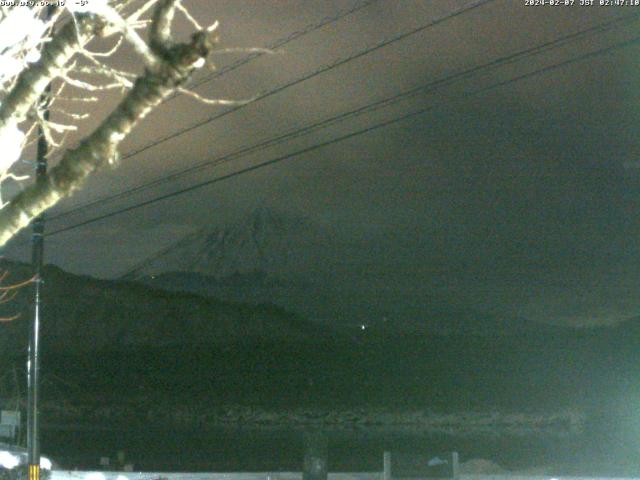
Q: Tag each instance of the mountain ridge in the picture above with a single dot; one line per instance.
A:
(82, 313)
(439, 319)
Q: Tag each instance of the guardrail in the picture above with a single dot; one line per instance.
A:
(97, 475)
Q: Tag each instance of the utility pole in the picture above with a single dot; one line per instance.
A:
(37, 260)
(33, 365)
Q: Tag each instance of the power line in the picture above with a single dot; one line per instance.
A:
(365, 109)
(336, 64)
(274, 46)
(342, 138)
(320, 71)
(425, 88)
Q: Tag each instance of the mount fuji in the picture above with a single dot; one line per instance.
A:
(264, 257)
(263, 241)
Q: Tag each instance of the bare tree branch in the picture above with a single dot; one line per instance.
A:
(131, 36)
(160, 32)
(9, 292)
(34, 79)
(177, 63)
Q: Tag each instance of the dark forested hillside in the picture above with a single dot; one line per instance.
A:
(86, 314)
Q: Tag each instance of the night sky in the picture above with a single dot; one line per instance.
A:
(521, 199)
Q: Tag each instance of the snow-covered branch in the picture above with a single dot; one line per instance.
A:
(34, 79)
(168, 66)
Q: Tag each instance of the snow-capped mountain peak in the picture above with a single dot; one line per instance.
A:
(263, 240)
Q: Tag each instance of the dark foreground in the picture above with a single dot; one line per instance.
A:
(154, 403)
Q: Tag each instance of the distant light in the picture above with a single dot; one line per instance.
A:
(363, 327)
